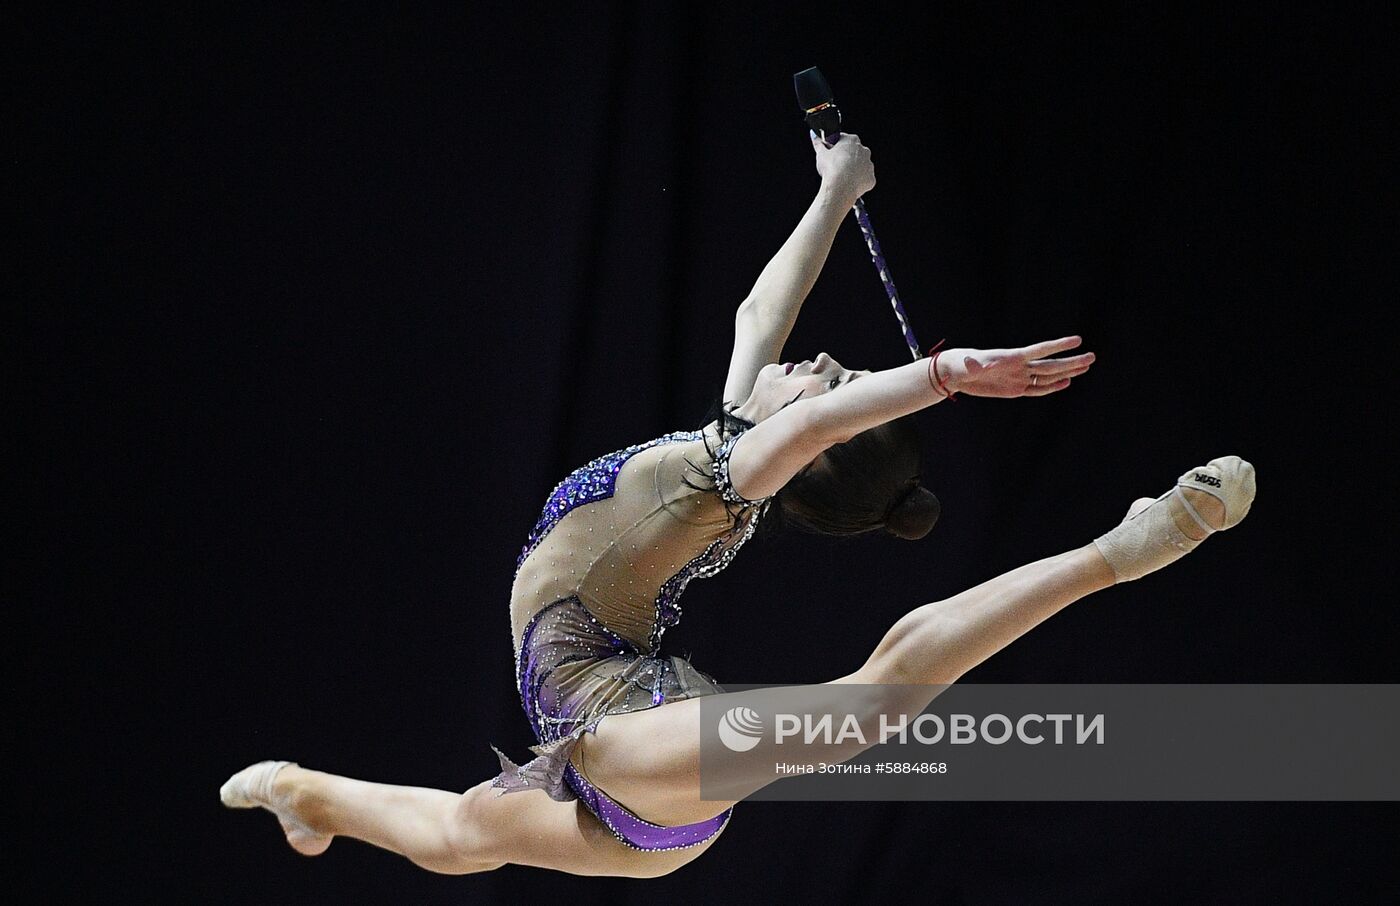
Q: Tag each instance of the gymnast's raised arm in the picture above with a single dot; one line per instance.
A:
(786, 437)
(766, 316)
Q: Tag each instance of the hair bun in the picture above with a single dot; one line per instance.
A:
(913, 513)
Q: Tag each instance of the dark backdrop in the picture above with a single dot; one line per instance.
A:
(319, 305)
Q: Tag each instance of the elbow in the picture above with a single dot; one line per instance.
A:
(752, 313)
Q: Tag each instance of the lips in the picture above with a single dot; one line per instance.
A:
(787, 369)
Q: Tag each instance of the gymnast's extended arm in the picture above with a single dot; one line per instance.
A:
(766, 316)
(768, 455)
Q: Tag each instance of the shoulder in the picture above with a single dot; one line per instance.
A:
(724, 485)
(692, 478)
(726, 435)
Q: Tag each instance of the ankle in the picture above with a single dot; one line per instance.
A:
(302, 793)
(1090, 562)
(1149, 538)
(289, 782)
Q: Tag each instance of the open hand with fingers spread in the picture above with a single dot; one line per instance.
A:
(1008, 373)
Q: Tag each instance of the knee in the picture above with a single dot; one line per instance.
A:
(469, 837)
(879, 703)
(919, 649)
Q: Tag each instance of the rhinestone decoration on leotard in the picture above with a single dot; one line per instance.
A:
(716, 556)
(548, 728)
(612, 813)
(594, 481)
(721, 473)
(708, 563)
(564, 632)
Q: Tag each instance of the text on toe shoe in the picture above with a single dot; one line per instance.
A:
(1207, 479)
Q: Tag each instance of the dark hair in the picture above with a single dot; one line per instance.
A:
(868, 483)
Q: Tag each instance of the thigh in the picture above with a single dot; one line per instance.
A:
(650, 761)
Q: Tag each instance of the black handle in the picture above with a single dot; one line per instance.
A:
(815, 98)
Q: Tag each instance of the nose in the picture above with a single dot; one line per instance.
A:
(821, 362)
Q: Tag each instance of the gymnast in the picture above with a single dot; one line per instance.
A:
(810, 445)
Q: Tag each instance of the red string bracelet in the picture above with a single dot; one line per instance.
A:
(941, 387)
(932, 357)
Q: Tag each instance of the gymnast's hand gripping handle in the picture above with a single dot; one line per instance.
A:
(824, 118)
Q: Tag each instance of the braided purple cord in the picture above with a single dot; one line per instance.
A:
(879, 258)
(866, 230)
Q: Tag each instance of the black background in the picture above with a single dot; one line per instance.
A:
(318, 306)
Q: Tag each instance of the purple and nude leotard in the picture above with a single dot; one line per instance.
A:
(596, 585)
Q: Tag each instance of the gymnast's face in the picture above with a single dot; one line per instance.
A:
(777, 384)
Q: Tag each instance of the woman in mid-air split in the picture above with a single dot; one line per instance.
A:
(811, 445)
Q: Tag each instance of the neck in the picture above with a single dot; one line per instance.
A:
(750, 411)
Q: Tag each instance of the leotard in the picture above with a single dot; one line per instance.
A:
(597, 584)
